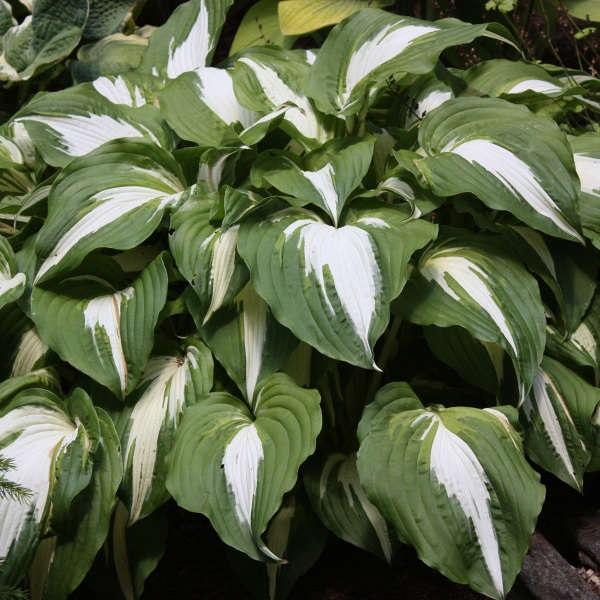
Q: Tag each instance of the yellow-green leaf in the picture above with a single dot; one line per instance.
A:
(297, 17)
(260, 27)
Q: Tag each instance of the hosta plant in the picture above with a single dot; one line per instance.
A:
(350, 288)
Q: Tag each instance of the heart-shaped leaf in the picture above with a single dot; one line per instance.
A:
(108, 334)
(332, 286)
(235, 468)
(454, 483)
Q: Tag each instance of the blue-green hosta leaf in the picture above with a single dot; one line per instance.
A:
(112, 55)
(269, 80)
(106, 333)
(247, 340)
(62, 561)
(510, 158)
(36, 434)
(74, 122)
(169, 385)
(113, 198)
(372, 45)
(187, 41)
(12, 283)
(6, 17)
(500, 77)
(48, 35)
(469, 282)
(235, 468)
(327, 177)
(559, 433)
(206, 256)
(106, 17)
(453, 483)
(201, 106)
(332, 286)
(340, 501)
(586, 152)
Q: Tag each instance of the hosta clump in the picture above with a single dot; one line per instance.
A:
(209, 272)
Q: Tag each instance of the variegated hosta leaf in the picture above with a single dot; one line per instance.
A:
(20, 167)
(169, 385)
(510, 158)
(30, 351)
(10, 154)
(269, 80)
(22, 351)
(469, 282)
(530, 247)
(12, 282)
(206, 256)
(578, 350)
(454, 483)
(426, 96)
(187, 41)
(582, 347)
(119, 89)
(500, 77)
(247, 341)
(559, 433)
(74, 122)
(37, 435)
(47, 36)
(332, 286)
(113, 198)
(372, 45)
(326, 178)
(62, 561)
(107, 334)
(235, 468)
(201, 106)
(340, 501)
(586, 151)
